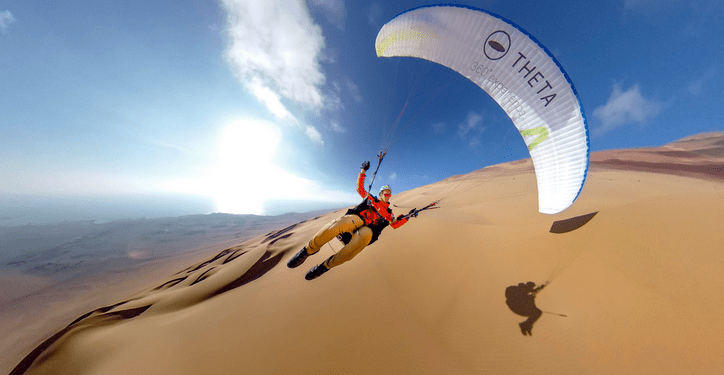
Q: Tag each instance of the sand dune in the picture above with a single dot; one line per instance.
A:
(640, 285)
(699, 156)
(52, 273)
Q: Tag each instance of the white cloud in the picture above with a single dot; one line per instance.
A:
(472, 123)
(374, 14)
(337, 128)
(274, 48)
(313, 134)
(333, 100)
(334, 94)
(6, 18)
(696, 86)
(270, 98)
(471, 128)
(625, 108)
(334, 10)
(354, 90)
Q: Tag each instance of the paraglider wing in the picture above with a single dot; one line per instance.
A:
(518, 73)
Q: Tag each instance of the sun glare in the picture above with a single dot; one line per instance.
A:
(244, 178)
(245, 175)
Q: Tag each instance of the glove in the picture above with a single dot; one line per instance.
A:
(366, 165)
(412, 213)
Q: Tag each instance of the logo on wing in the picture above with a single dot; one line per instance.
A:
(497, 45)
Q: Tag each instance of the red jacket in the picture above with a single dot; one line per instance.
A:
(378, 210)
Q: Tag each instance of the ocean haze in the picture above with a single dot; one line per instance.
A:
(21, 209)
(59, 250)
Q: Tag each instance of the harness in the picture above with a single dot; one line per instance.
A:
(373, 220)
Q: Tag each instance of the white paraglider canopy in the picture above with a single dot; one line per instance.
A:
(518, 73)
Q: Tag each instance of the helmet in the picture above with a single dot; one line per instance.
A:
(385, 187)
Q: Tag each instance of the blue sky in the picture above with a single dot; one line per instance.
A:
(114, 109)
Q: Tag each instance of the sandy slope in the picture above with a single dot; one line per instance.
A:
(50, 274)
(640, 284)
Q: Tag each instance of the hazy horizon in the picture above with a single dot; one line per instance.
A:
(18, 209)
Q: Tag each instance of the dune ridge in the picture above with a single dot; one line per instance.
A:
(700, 155)
(639, 283)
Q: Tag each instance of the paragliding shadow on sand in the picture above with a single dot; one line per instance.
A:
(521, 298)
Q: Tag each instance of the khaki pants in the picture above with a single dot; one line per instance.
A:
(346, 223)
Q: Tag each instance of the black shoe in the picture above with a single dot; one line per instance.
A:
(298, 258)
(316, 271)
